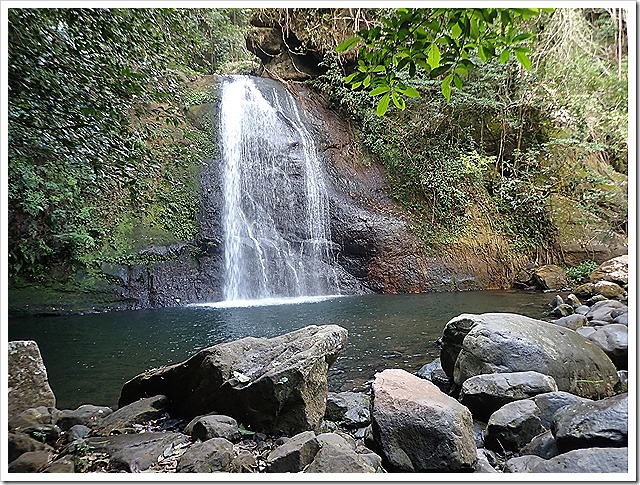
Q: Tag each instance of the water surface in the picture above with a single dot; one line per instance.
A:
(89, 357)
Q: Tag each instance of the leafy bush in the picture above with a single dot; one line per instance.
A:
(580, 274)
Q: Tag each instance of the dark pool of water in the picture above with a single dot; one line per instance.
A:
(89, 357)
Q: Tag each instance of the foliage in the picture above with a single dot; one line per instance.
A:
(96, 125)
(442, 42)
(580, 274)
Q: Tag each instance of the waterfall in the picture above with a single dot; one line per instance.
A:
(277, 241)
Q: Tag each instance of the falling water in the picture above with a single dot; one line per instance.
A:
(277, 241)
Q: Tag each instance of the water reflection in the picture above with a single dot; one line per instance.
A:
(89, 357)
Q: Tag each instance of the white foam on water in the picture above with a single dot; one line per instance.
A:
(295, 300)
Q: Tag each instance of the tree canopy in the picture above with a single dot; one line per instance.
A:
(446, 43)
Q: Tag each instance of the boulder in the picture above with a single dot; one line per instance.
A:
(28, 384)
(549, 403)
(522, 464)
(65, 464)
(30, 462)
(47, 433)
(349, 408)
(593, 424)
(561, 311)
(214, 455)
(486, 393)
(573, 300)
(622, 319)
(609, 290)
(483, 465)
(585, 331)
(338, 458)
(550, 277)
(294, 455)
(506, 342)
(204, 428)
(135, 452)
(433, 372)
(32, 417)
(276, 384)
(86, 415)
(606, 310)
(513, 426)
(137, 412)
(615, 270)
(595, 299)
(19, 443)
(584, 290)
(571, 321)
(582, 310)
(614, 340)
(417, 427)
(543, 445)
(592, 460)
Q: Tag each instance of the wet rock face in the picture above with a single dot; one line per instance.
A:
(504, 342)
(28, 382)
(277, 384)
(418, 428)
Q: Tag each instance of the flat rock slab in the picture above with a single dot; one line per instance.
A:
(85, 415)
(593, 424)
(486, 393)
(507, 342)
(28, 382)
(417, 427)
(275, 384)
(135, 452)
(590, 460)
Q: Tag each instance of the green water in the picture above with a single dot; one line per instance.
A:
(89, 357)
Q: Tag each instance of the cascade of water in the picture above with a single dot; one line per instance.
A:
(276, 223)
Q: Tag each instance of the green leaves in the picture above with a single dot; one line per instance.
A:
(433, 56)
(383, 105)
(348, 44)
(442, 42)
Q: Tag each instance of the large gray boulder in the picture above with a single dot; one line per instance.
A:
(336, 455)
(506, 342)
(591, 460)
(593, 424)
(417, 427)
(606, 310)
(28, 382)
(486, 393)
(268, 384)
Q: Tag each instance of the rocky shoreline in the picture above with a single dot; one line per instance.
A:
(509, 394)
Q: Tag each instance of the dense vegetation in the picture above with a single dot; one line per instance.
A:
(102, 161)
(100, 156)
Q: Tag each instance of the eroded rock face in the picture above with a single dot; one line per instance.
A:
(506, 342)
(277, 384)
(419, 428)
(28, 382)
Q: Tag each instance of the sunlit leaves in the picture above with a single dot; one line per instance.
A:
(445, 43)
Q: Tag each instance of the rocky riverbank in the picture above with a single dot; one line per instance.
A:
(508, 394)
